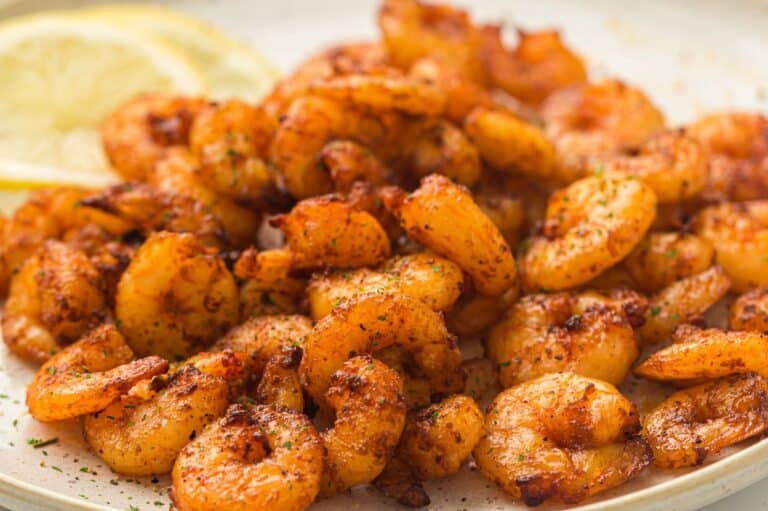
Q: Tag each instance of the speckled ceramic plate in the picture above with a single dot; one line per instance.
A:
(691, 56)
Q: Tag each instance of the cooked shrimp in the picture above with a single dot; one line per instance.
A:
(586, 334)
(176, 174)
(443, 217)
(590, 226)
(56, 297)
(710, 353)
(371, 323)
(432, 279)
(482, 377)
(138, 133)
(673, 164)
(563, 436)
(683, 301)
(438, 439)
(369, 402)
(750, 311)
(175, 297)
(270, 288)
(539, 65)
(280, 385)
(231, 141)
(474, 313)
(603, 118)
(399, 482)
(253, 458)
(349, 162)
(441, 147)
(141, 434)
(509, 144)
(662, 258)
(739, 233)
(326, 231)
(697, 422)
(507, 213)
(150, 209)
(87, 376)
(737, 146)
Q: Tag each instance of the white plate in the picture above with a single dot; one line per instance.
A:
(691, 56)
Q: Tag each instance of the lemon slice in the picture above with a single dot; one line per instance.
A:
(61, 75)
(231, 68)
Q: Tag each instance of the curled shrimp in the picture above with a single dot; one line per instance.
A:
(511, 145)
(683, 301)
(441, 147)
(87, 376)
(150, 209)
(561, 435)
(56, 298)
(371, 323)
(539, 65)
(590, 226)
(270, 288)
(589, 334)
(349, 162)
(749, 312)
(138, 133)
(603, 118)
(697, 422)
(673, 164)
(253, 458)
(231, 141)
(507, 213)
(326, 231)
(432, 279)
(710, 353)
(176, 174)
(175, 297)
(280, 385)
(369, 402)
(662, 258)
(737, 147)
(739, 233)
(142, 432)
(443, 217)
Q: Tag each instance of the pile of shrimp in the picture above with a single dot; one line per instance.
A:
(276, 304)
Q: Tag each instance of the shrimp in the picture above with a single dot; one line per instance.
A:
(326, 231)
(737, 147)
(697, 422)
(175, 297)
(176, 174)
(707, 353)
(349, 162)
(662, 258)
(270, 288)
(563, 436)
(539, 65)
(739, 233)
(412, 29)
(441, 147)
(507, 213)
(432, 279)
(590, 226)
(683, 301)
(56, 298)
(443, 217)
(583, 333)
(509, 144)
(142, 433)
(590, 120)
(138, 133)
(280, 385)
(87, 376)
(149, 210)
(231, 141)
(254, 458)
(370, 323)
(673, 164)
(750, 312)
(475, 313)
(369, 402)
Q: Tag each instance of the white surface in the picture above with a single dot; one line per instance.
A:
(690, 56)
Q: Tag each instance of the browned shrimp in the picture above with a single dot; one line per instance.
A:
(737, 146)
(349, 162)
(87, 376)
(280, 385)
(138, 133)
(561, 436)
(270, 287)
(750, 311)
(697, 422)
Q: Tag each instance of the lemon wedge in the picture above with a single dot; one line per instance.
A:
(231, 68)
(61, 75)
